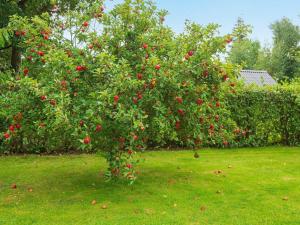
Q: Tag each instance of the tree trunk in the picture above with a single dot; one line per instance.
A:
(15, 56)
(15, 50)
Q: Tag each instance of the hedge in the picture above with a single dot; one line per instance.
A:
(266, 116)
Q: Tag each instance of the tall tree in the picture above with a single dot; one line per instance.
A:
(241, 30)
(263, 61)
(285, 53)
(243, 51)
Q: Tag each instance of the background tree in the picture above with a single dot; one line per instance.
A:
(263, 61)
(244, 51)
(285, 64)
(241, 30)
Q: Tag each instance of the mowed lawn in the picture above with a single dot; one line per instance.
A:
(258, 186)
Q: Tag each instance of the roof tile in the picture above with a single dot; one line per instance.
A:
(258, 77)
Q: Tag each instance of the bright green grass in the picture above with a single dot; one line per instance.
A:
(171, 189)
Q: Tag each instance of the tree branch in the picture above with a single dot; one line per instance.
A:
(9, 46)
(22, 3)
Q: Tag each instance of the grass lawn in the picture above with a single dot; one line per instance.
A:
(253, 186)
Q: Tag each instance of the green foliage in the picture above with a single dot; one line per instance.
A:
(245, 53)
(263, 59)
(285, 64)
(266, 116)
(5, 37)
(5, 44)
(241, 30)
(116, 81)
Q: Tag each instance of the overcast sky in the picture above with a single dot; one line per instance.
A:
(259, 13)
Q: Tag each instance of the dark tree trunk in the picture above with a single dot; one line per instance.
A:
(15, 57)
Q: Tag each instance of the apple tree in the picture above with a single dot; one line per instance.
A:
(117, 81)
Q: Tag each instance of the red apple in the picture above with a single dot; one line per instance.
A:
(135, 100)
(87, 140)
(81, 123)
(43, 97)
(199, 101)
(135, 137)
(12, 128)
(129, 152)
(40, 53)
(139, 76)
(116, 98)
(157, 67)
(63, 83)
(6, 135)
(98, 128)
(129, 166)
(80, 68)
(53, 102)
(181, 112)
(205, 73)
(26, 71)
(85, 24)
(145, 46)
(179, 100)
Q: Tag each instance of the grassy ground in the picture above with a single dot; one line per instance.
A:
(253, 187)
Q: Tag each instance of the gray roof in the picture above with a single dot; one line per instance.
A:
(258, 77)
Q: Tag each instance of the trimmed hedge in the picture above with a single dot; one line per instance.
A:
(266, 116)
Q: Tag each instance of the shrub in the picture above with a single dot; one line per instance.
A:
(266, 115)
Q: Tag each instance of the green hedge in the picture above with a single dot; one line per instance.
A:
(266, 116)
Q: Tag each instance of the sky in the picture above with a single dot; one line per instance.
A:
(259, 13)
